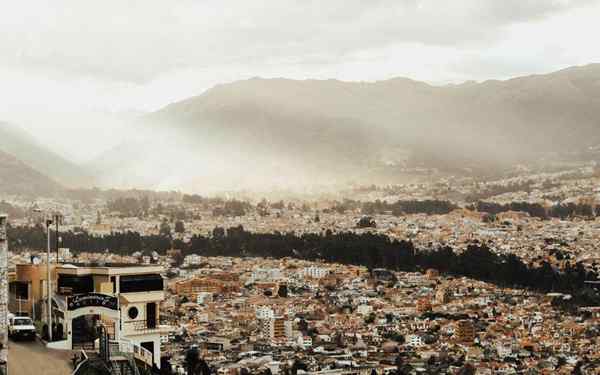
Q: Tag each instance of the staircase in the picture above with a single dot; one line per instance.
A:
(114, 357)
(124, 367)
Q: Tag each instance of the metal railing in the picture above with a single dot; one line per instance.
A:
(126, 348)
(78, 365)
(142, 326)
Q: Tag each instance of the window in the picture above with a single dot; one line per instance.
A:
(141, 283)
(22, 322)
(133, 313)
(75, 284)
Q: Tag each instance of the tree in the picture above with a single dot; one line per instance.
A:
(179, 227)
(178, 259)
(366, 222)
(218, 233)
(298, 365)
(467, 369)
(165, 229)
(192, 358)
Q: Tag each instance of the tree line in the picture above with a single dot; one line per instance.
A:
(398, 208)
(559, 210)
(367, 249)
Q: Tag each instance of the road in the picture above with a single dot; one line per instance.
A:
(32, 358)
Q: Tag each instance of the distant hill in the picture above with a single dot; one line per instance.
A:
(19, 178)
(314, 131)
(22, 146)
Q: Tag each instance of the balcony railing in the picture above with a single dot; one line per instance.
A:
(143, 326)
(126, 348)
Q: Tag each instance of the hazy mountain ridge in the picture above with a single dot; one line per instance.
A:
(334, 131)
(18, 178)
(22, 146)
(509, 109)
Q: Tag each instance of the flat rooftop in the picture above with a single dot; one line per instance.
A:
(108, 269)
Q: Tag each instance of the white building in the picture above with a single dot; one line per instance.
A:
(304, 342)
(192, 259)
(414, 341)
(124, 299)
(314, 272)
(264, 312)
(204, 298)
(364, 309)
(266, 274)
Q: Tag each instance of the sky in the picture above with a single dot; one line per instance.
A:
(69, 69)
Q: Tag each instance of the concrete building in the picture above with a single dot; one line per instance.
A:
(27, 290)
(423, 305)
(266, 274)
(465, 332)
(278, 330)
(314, 272)
(442, 296)
(122, 298)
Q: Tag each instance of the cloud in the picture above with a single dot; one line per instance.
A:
(139, 41)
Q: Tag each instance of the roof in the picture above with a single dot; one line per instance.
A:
(141, 296)
(108, 269)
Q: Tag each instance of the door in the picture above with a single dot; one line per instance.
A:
(149, 345)
(151, 315)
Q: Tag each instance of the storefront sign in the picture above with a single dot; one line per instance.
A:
(92, 300)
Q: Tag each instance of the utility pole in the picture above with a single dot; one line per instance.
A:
(58, 220)
(3, 296)
(49, 281)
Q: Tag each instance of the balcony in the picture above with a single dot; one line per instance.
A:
(125, 348)
(142, 327)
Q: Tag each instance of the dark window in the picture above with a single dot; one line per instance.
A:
(68, 284)
(19, 289)
(22, 290)
(141, 283)
(151, 315)
(132, 312)
(149, 345)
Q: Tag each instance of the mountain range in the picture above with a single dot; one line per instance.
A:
(290, 132)
(20, 179)
(27, 165)
(281, 132)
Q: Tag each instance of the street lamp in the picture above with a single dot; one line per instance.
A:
(49, 221)
(58, 219)
(49, 280)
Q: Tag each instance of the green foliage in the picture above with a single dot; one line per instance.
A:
(165, 229)
(232, 208)
(179, 226)
(130, 206)
(367, 249)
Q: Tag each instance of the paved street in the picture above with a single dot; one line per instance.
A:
(32, 358)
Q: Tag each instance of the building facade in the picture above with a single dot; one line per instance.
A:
(122, 298)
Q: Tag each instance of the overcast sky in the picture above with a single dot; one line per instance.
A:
(63, 60)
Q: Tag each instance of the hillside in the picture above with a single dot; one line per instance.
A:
(21, 145)
(18, 178)
(302, 132)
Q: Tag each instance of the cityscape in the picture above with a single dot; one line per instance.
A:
(287, 188)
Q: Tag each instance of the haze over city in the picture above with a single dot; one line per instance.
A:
(340, 187)
(71, 67)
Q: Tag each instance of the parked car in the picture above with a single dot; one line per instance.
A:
(21, 327)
